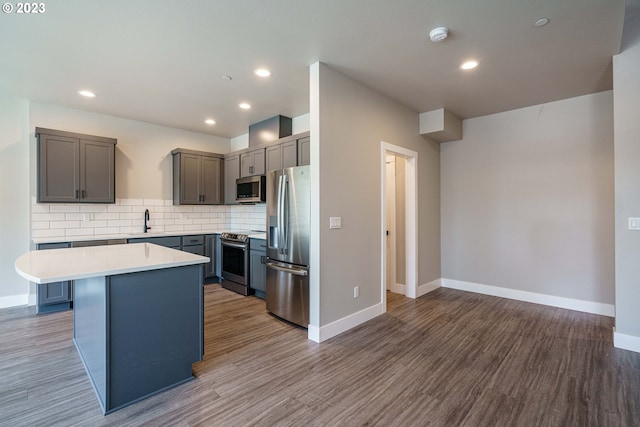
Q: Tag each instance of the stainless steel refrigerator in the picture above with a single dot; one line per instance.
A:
(288, 217)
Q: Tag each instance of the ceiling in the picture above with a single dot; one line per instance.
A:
(162, 61)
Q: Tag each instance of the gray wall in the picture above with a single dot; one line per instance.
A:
(626, 87)
(353, 120)
(527, 200)
(14, 194)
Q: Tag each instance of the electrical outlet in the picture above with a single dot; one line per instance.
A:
(356, 291)
(634, 223)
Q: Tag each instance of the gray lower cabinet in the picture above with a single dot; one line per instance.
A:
(51, 297)
(258, 267)
(197, 178)
(231, 173)
(213, 250)
(193, 244)
(174, 242)
(75, 168)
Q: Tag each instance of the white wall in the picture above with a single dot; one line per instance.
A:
(527, 200)
(626, 88)
(348, 123)
(14, 193)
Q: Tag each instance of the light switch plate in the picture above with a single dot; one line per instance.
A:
(335, 222)
(634, 223)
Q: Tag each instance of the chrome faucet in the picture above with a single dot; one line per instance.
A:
(146, 218)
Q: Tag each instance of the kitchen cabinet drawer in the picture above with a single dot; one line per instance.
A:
(192, 240)
(258, 244)
(174, 242)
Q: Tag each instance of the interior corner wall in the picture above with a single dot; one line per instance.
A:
(352, 122)
(14, 193)
(626, 90)
(527, 200)
(143, 154)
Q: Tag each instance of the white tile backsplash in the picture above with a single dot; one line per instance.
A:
(127, 216)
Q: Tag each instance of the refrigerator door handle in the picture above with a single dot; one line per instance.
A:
(279, 215)
(285, 212)
(294, 271)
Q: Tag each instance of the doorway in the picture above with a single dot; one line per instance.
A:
(398, 221)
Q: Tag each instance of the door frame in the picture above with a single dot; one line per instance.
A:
(391, 227)
(411, 215)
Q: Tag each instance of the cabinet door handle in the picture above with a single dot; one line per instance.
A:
(77, 194)
(82, 192)
(263, 259)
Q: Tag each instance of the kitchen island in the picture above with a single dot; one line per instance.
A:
(138, 314)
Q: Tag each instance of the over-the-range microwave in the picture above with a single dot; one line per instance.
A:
(251, 189)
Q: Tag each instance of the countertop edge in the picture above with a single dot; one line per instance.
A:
(105, 270)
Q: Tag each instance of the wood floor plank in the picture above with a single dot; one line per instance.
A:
(447, 358)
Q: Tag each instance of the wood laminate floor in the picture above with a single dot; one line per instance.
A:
(448, 358)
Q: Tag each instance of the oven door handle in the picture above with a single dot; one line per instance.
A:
(235, 245)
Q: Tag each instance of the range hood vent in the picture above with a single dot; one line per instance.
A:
(269, 130)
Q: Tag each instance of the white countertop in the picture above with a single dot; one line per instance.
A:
(56, 265)
(37, 240)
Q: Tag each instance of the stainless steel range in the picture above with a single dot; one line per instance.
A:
(235, 262)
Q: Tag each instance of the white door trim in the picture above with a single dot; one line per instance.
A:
(411, 215)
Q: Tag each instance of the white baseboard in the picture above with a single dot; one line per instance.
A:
(341, 325)
(550, 300)
(14, 300)
(398, 288)
(425, 288)
(626, 342)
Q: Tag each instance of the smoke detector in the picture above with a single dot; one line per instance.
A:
(438, 34)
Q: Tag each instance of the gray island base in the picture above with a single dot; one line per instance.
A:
(138, 315)
(138, 333)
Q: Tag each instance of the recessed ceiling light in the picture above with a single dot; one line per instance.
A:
(227, 78)
(541, 22)
(210, 122)
(87, 93)
(469, 65)
(244, 105)
(262, 72)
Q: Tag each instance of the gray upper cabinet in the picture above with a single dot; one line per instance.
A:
(282, 156)
(274, 157)
(75, 168)
(198, 178)
(252, 163)
(231, 173)
(304, 151)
